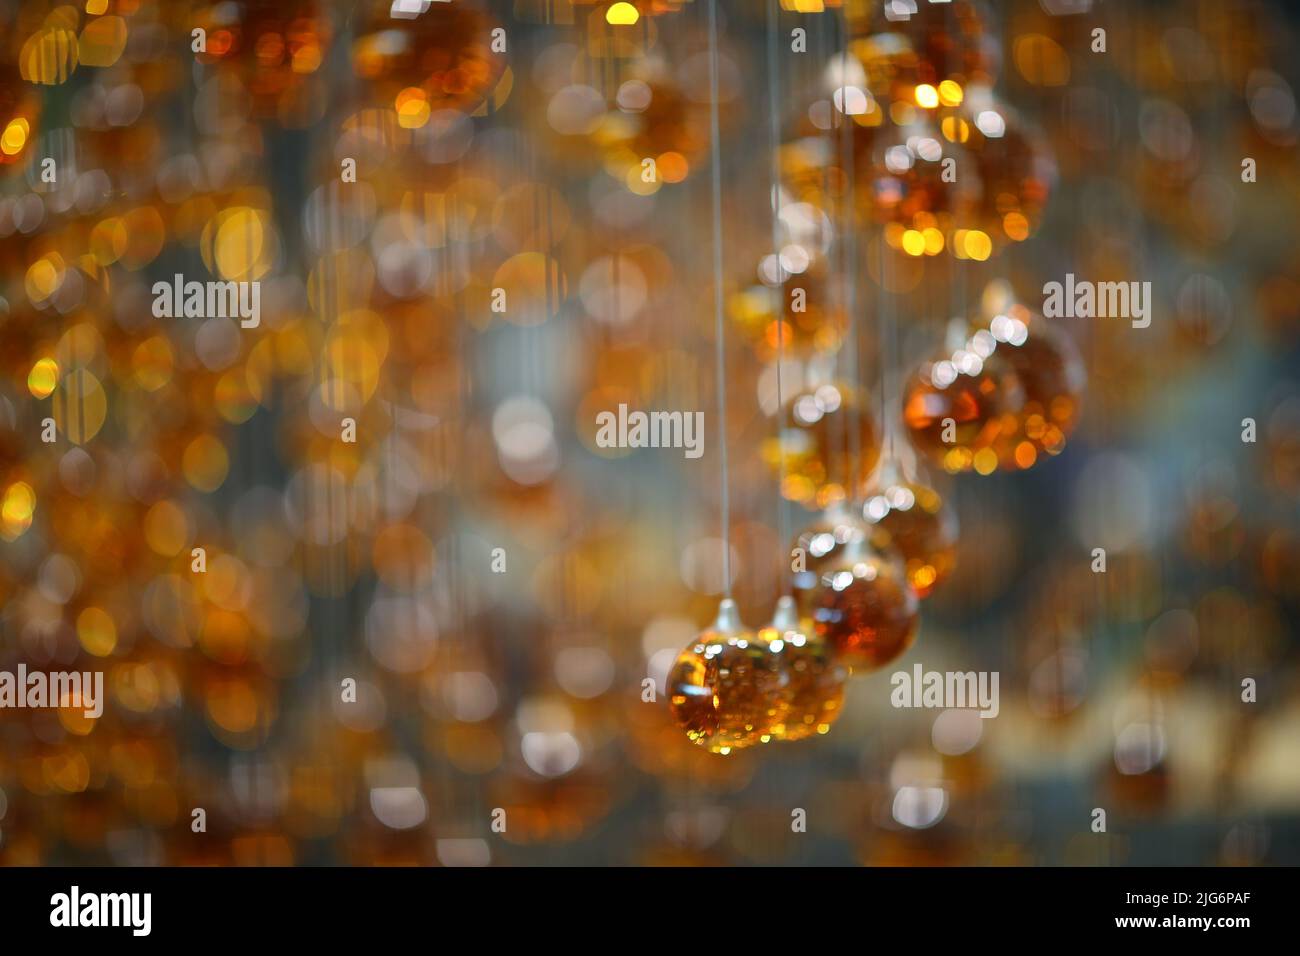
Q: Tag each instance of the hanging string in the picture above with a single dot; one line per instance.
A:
(719, 329)
(883, 348)
(892, 358)
(774, 134)
(848, 161)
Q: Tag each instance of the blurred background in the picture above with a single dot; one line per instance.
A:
(498, 585)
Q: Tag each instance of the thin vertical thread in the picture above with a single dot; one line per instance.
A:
(719, 329)
(848, 160)
(774, 133)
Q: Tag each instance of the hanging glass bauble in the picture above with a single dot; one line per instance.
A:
(954, 404)
(1014, 167)
(903, 69)
(439, 58)
(924, 42)
(812, 680)
(272, 46)
(911, 189)
(829, 441)
(804, 315)
(1050, 371)
(725, 687)
(908, 514)
(891, 149)
(820, 545)
(652, 116)
(855, 592)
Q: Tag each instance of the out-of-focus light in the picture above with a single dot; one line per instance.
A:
(898, 159)
(470, 695)
(950, 93)
(1272, 104)
(1016, 226)
(575, 110)
(622, 14)
(43, 378)
(634, 96)
(525, 438)
(978, 246)
(412, 108)
(851, 100)
(991, 124)
(956, 731)
(17, 510)
(14, 137)
(96, 631)
(398, 808)
(1139, 747)
(550, 754)
(1041, 60)
(920, 807)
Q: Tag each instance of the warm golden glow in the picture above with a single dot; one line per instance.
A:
(622, 14)
(43, 378)
(15, 136)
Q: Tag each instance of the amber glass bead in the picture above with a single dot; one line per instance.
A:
(813, 681)
(802, 316)
(664, 121)
(1051, 374)
(1016, 169)
(864, 607)
(924, 41)
(829, 442)
(725, 687)
(954, 404)
(820, 545)
(911, 516)
(440, 59)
